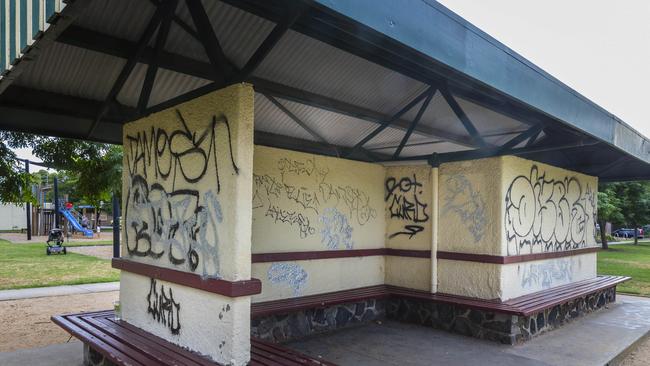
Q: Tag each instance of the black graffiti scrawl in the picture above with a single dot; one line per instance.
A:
(403, 196)
(167, 219)
(163, 308)
(555, 215)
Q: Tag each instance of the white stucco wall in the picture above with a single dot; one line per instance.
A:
(211, 324)
(528, 277)
(283, 280)
(187, 206)
(12, 217)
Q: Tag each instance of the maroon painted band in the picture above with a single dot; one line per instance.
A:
(214, 285)
(500, 259)
(327, 254)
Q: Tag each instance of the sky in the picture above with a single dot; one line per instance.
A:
(599, 48)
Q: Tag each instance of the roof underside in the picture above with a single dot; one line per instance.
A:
(327, 80)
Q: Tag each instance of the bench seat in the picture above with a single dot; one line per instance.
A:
(524, 305)
(124, 344)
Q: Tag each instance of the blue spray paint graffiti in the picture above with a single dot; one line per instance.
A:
(290, 274)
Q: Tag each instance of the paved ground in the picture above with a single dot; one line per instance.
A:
(22, 238)
(28, 293)
(593, 340)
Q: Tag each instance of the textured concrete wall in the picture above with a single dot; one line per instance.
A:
(527, 277)
(410, 216)
(508, 206)
(546, 209)
(305, 202)
(187, 206)
(281, 280)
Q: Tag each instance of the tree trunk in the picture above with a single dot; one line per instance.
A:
(603, 234)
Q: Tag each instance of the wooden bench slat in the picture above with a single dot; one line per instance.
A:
(125, 348)
(102, 347)
(277, 349)
(558, 291)
(162, 354)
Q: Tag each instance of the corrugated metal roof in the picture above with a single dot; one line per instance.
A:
(269, 118)
(124, 19)
(72, 71)
(419, 149)
(311, 65)
(239, 32)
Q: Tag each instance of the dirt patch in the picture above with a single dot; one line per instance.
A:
(640, 356)
(26, 323)
(104, 252)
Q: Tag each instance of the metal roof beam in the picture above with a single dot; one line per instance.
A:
(117, 47)
(414, 123)
(458, 111)
(165, 9)
(223, 69)
(392, 119)
(152, 68)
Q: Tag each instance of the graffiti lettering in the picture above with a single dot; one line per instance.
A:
(546, 275)
(336, 232)
(163, 308)
(290, 274)
(554, 214)
(291, 218)
(405, 204)
(178, 224)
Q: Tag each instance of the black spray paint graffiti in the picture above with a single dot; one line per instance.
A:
(305, 185)
(177, 224)
(403, 197)
(467, 203)
(554, 214)
(163, 308)
(291, 218)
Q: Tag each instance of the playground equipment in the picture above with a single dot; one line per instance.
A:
(71, 216)
(56, 236)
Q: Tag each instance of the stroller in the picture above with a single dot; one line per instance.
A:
(56, 236)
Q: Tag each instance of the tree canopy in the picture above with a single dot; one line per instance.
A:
(95, 168)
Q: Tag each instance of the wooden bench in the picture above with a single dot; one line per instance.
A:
(524, 305)
(125, 344)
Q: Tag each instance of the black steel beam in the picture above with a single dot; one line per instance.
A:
(533, 131)
(222, 69)
(297, 120)
(152, 68)
(98, 42)
(464, 119)
(414, 123)
(313, 147)
(163, 10)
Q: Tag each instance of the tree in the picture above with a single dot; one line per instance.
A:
(95, 169)
(635, 204)
(609, 210)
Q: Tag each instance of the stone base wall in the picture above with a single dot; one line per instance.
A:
(507, 329)
(300, 324)
(94, 358)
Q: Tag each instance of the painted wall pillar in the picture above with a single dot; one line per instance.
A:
(510, 226)
(411, 215)
(186, 254)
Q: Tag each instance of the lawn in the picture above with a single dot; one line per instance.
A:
(628, 260)
(27, 265)
(88, 243)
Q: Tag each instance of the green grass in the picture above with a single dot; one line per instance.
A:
(628, 260)
(27, 265)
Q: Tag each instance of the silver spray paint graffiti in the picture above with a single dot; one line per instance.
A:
(336, 232)
(289, 274)
(301, 193)
(463, 200)
(404, 198)
(546, 275)
(165, 218)
(553, 214)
